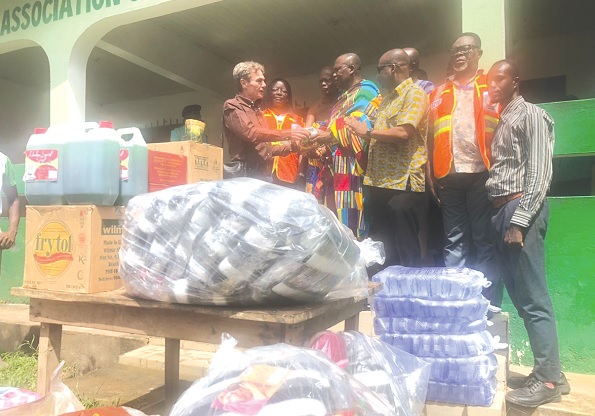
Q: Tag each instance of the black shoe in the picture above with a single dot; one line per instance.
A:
(534, 394)
(519, 382)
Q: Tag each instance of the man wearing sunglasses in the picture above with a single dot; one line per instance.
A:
(462, 123)
(396, 160)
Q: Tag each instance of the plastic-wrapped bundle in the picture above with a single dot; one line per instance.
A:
(437, 345)
(480, 394)
(446, 283)
(239, 241)
(467, 310)
(277, 380)
(436, 325)
(439, 314)
(467, 370)
(397, 376)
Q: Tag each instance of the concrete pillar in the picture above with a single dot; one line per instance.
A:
(487, 19)
(68, 67)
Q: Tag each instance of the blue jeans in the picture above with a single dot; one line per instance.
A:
(466, 212)
(525, 280)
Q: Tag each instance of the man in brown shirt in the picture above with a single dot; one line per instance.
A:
(248, 137)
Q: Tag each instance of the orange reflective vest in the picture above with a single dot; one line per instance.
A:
(442, 105)
(285, 167)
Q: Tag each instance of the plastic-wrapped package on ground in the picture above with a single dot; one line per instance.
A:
(439, 345)
(435, 325)
(446, 283)
(480, 394)
(59, 400)
(277, 380)
(467, 310)
(240, 241)
(399, 377)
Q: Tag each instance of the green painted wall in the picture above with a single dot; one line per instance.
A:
(570, 259)
(575, 126)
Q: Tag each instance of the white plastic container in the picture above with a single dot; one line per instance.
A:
(44, 168)
(134, 165)
(92, 167)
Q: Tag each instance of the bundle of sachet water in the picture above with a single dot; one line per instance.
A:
(439, 315)
(277, 380)
(237, 242)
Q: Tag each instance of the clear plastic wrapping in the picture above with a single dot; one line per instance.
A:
(437, 283)
(107, 411)
(400, 378)
(479, 394)
(277, 380)
(439, 314)
(467, 370)
(240, 241)
(59, 400)
(430, 325)
(443, 345)
(465, 310)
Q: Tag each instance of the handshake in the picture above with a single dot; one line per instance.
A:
(308, 138)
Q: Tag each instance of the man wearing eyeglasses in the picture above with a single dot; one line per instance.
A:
(463, 121)
(396, 160)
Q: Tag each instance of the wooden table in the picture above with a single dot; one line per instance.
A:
(116, 311)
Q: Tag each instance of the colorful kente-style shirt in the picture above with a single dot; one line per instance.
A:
(350, 152)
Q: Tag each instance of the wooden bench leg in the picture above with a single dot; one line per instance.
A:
(352, 323)
(50, 342)
(172, 370)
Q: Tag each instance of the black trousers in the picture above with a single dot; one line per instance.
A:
(524, 276)
(395, 222)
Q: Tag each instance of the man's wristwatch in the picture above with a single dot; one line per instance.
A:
(369, 133)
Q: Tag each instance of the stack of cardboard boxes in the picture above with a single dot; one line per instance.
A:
(75, 248)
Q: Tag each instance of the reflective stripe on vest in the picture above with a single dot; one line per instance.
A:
(285, 167)
(443, 104)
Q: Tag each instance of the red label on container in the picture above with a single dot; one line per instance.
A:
(41, 165)
(124, 161)
(166, 170)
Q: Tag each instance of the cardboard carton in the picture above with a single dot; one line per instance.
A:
(205, 162)
(73, 248)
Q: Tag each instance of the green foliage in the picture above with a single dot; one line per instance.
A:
(20, 369)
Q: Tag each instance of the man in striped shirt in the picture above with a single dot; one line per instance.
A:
(520, 176)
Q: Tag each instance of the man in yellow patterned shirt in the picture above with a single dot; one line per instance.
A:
(396, 161)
